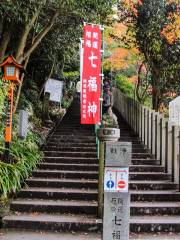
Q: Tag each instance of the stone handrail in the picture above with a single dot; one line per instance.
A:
(156, 132)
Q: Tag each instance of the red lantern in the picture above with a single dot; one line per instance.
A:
(11, 69)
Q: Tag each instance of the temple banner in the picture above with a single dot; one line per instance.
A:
(91, 75)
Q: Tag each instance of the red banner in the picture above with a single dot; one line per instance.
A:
(91, 75)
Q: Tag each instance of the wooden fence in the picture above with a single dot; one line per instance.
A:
(156, 132)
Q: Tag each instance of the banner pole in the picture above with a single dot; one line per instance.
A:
(102, 71)
(101, 98)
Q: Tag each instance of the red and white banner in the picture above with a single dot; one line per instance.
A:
(91, 75)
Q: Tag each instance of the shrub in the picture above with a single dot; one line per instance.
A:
(124, 85)
(26, 155)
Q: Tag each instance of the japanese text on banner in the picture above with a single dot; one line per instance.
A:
(91, 76)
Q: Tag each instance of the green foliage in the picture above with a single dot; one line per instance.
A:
(108, 121)
(124, 85)
(26, 155)
(71, 76)
(161, 56)
(3, 93)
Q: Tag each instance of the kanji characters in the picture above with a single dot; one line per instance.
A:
(88, 43)
(116, 235)
(117, 221)
(88, 34)
(92, 84)
(92, 59)
(92, 108)
(91, 78)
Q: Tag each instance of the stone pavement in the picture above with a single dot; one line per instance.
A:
(27, 235)
(10, 235)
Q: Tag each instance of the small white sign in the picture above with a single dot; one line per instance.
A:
(54, 87)
(116, 179)
(174, 111)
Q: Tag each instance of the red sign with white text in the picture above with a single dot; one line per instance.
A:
(91, 75)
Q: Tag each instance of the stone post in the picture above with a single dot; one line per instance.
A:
(116, 193)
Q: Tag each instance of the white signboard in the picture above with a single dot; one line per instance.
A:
(54, 87)
(116, 179)
(174, 111)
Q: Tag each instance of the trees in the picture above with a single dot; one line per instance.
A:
(24, 24)
(153, 24)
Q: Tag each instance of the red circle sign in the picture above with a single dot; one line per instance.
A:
(121, 184)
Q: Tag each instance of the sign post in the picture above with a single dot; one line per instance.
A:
(11, 69)
(116, 192)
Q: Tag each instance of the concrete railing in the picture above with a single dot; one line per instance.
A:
(156, 132)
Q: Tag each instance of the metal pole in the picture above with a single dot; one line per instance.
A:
(102, 78)
(179, 161)
(173, 153)
(167, 148)
(8, 130)
(101, 180)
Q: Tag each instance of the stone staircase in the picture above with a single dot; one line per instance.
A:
(62, 193)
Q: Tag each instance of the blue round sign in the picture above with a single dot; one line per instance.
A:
(110, 184)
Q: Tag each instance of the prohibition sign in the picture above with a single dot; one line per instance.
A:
(121, 184)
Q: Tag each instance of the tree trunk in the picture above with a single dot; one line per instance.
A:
(45, 108)
(4, 43)
(156, 91)
(35, 43)
(41, 35)
(20, 86)
(24, 36)
(156, 99)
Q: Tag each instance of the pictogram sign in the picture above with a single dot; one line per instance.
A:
(116, 179)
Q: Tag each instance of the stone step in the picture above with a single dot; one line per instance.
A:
(73, 183)
(147, 168)
(59, 193)
(53, 222)
(72, 125)
(149, 176)
(141, 155)
(154, 195)
(152, 185)
(145, 162)
(153, 208)
(140, 150)
(68, 166)
(76, 130)
(65, 174)
(70, 140)
(78, 145)
(94, 175)
(129, 139)
(54, 206)
(70, 149)
(12, 234)
(155, 224)
(70, 154)
(28, 234)
(59, 183)
(137, 145)
(75, 137)
(72, 160)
